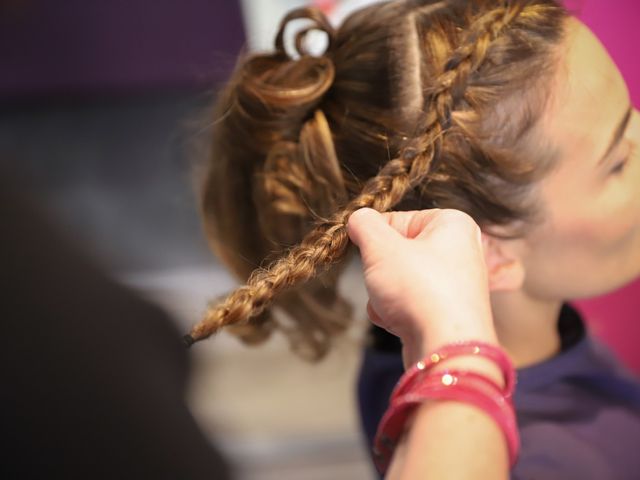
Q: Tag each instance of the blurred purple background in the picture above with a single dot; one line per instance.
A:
(80, 46)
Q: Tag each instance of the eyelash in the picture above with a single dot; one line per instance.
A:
(619, 168)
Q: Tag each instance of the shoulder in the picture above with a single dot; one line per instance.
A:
(551, 451)
(579, 416)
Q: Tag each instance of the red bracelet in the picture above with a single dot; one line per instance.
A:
(479, 349)
(418, 385)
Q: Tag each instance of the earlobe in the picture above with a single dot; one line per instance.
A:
(507, 277)
(505, 268)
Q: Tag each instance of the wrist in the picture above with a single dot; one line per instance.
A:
(470, 327)
(455, 318)
(436, 338)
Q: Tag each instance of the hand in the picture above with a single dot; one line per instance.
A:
(426, 277)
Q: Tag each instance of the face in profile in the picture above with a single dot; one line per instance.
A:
(589, 240)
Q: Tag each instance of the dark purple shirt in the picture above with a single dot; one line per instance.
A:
(578, 413)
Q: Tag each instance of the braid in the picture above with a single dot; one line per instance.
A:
(327, 243)
(468, 57)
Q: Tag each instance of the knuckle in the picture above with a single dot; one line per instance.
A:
(458, 216)
(460, 219)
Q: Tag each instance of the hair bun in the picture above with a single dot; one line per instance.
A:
(319, 22)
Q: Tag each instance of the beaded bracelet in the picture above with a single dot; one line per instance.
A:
(418, 384)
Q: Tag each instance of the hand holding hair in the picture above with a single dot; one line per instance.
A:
(427, 281)
(426, 277)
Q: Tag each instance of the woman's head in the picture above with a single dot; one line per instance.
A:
(415, 104)
(589, 241)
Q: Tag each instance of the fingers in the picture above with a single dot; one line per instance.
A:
(371, 230)
(377, 319)
(413, 223)
(373, 316)
(420, 224)
(407, 224)
(367, 228)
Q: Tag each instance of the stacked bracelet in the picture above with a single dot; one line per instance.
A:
(420, 383)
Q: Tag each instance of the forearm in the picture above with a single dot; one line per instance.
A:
(429, 286)
(451, 439)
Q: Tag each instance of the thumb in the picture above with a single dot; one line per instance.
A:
(370, 231)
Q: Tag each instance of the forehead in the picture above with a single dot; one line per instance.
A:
(589, 98)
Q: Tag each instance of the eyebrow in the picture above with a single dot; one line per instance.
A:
(617, 135)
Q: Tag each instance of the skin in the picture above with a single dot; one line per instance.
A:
(393, 247)
(589, 241)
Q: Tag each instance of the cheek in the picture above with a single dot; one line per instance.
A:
(611, 218)
(588, 251)
(598, 239)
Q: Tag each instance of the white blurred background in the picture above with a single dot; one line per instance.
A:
(262, 17)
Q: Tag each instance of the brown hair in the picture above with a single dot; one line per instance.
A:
(415, 104)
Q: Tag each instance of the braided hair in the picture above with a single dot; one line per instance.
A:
(414, 104)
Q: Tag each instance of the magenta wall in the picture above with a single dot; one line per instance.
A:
(615, 317)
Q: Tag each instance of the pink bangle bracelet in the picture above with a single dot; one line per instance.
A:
(420, 384)
(467, 348)
(445, 386)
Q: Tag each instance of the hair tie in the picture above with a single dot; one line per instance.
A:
(188, 340)
(319, 23)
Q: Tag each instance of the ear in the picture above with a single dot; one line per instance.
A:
(504, 262)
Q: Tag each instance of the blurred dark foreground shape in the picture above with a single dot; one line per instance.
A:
(93, 377)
